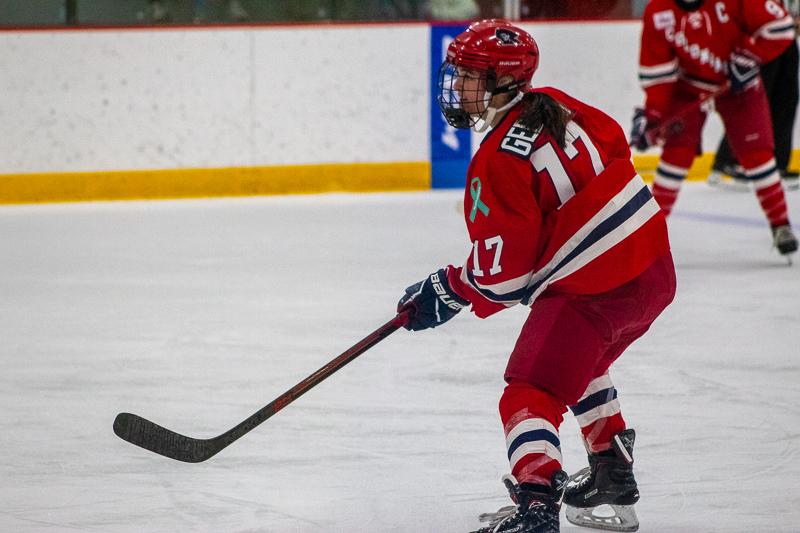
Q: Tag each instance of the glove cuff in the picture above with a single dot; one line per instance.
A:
(445, 293)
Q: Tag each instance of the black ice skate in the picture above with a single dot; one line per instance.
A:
(784, 240)
(607, 482)
(536, 509)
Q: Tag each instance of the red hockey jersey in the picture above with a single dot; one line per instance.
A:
(695, 45)
(577, 220)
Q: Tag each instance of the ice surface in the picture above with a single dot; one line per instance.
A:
(197, 313)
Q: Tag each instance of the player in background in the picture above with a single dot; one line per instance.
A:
(780, 78)
(691, 48)
(560, 221)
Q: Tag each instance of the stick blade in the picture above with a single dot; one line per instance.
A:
(150, 436)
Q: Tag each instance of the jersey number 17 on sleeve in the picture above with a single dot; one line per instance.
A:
(493, 242)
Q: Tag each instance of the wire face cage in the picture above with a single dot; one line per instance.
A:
(463, 95)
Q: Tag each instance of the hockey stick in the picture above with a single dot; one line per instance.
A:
(675, 123)
(151, 436)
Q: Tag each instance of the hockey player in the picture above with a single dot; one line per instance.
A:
(780, 79)
(691, 48)
(560, 221)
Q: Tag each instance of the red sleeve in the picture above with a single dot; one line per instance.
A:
(770, 28)
(504, 221)
(658, 62)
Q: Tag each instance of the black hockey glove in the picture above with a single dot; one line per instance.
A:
(743, 69)
(432, 302)
(639, 130)
(644, 122)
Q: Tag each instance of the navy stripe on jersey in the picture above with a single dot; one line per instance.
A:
(513, 296)
(612, 222)
(658, 76)
(777, 29)
(601, 230)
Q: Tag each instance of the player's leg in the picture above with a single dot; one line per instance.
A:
(747, 120)
(550, 366)
(724, 163)
(624, 315)
(609, 478)
(780, 83)
(599, 415)
(678, 153)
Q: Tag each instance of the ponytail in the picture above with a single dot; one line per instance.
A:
(541, 111)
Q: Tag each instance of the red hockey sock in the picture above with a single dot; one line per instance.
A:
(531, 417)
(769, 191)
(598, 414)
(667, 184)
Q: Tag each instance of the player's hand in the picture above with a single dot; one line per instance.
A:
(743, 68)
(639, 129)
(431, 301)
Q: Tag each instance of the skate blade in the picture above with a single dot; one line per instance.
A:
(606, 517)
(728, 183)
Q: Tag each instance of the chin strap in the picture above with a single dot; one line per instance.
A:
(491, 112)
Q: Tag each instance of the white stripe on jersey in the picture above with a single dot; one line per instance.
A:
(504, 287)
(660, 69)
(647, 211)
(777, 29)
(656, 74)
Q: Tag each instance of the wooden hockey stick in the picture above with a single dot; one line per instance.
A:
(150, 436)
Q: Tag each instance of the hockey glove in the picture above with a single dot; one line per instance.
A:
(743, 68)
(639, 130)
(431, 301)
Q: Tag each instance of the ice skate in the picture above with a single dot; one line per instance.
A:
(784, 240)
(602, 496)
(729, 177)
(536, 509)
(791, 180)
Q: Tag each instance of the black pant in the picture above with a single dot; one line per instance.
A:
(780, 81)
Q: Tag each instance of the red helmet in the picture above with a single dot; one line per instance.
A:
(499, 46)
(496, 49)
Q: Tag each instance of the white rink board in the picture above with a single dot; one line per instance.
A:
(140, 99)
(200, 97)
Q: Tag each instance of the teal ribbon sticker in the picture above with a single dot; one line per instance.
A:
(475, 193)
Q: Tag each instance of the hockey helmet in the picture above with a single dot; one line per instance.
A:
(504, 56)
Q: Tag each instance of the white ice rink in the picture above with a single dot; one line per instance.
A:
(195, 314)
